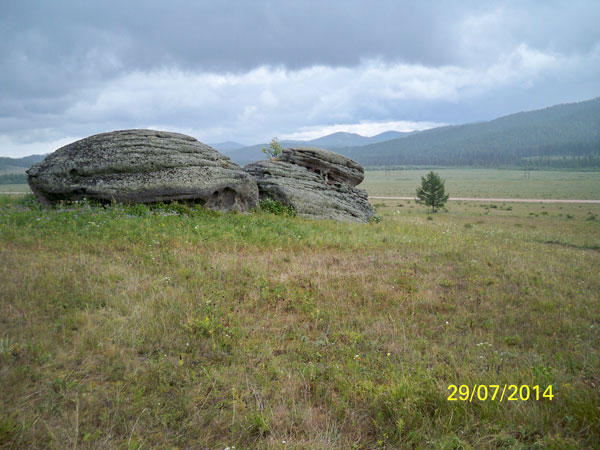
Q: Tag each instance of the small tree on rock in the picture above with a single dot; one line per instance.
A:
(432, 192)
(274, 149)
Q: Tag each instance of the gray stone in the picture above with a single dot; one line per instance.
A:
(332, 166)
(143, 166)
(310, 193)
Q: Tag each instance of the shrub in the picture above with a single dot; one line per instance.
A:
(274, 149)
(276, 207)
(375, 219)
(139, 209)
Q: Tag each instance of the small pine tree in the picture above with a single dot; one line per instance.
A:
(432, 192)
(274, 149)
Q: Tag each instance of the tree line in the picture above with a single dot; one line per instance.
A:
(13, 178)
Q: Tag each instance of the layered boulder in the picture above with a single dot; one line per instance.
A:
(143, 166)
(334, 167)
(317, 183)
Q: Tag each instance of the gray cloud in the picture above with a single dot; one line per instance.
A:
(250, 69)
(239, 34)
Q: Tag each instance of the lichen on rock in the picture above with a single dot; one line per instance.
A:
(317, 183)
(143, 166)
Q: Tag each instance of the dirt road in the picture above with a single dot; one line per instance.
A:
(502, 200)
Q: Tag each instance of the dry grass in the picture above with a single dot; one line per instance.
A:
(126, 328)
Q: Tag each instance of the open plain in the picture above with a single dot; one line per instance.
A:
(154, 327)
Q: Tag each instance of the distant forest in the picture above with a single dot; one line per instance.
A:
(563, 136)
(13, 178)
(12, 170)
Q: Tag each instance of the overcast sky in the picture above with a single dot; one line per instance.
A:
(246, 71)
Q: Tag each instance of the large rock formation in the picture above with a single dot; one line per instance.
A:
(332, 166)
(317, 183)
(142, 166)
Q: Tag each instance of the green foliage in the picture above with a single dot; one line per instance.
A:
(432, 191)
(139, 209)
(7, 348)
(274, 149)
(13, 178)
(276, 207)
(375, 219)
(257, 425)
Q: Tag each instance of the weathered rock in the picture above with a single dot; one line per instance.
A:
(143, 166)
(309, 193)
(332, 166)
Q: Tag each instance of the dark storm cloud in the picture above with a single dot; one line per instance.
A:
(48, 46)
(237, 35)
(72, 67)
(227, 35)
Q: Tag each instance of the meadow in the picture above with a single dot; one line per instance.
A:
(176, 327)
(468, 182)
(8, 188)
(489, 183)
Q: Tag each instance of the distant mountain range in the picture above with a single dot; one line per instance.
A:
(342, 139)
(12, 170)
(245, 155)
(227, 146)
(562, 136)
(18, 165)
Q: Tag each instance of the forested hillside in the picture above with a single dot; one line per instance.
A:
(559, 136)
(18, 165)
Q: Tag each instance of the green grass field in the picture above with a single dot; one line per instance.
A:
(488, 183)
(176, 327)
(483, 183)
(14, 188)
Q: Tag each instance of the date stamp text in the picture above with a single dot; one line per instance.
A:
(497, 392)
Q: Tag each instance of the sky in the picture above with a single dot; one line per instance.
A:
(247, 71)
